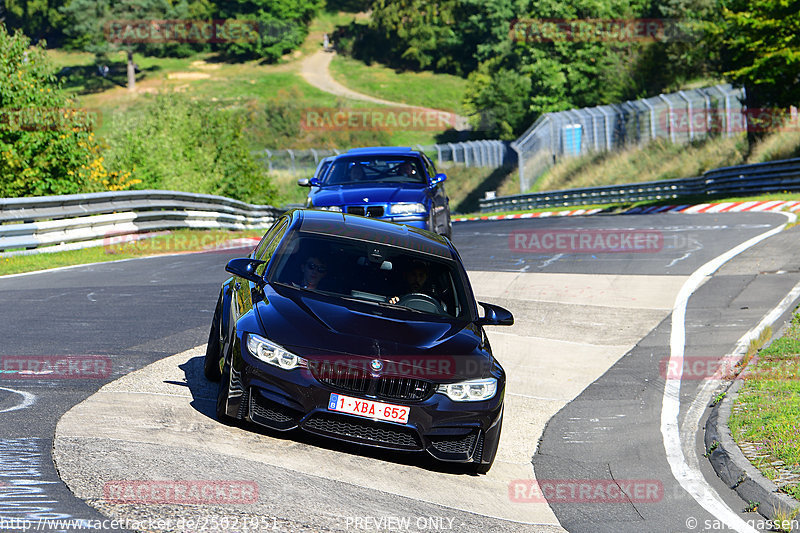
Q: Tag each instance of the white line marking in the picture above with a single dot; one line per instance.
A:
(690, 479)
(695, 412)
(28, 399)
(551, 260)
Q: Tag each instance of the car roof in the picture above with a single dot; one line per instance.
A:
(385, 150)
(372, 230)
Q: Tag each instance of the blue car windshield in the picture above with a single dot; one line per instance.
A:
(382, 275)
(372, 169)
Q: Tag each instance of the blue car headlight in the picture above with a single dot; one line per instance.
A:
(407, 208)
(474, 390)
(273, 354)
(336, 208)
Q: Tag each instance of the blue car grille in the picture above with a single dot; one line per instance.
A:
(374, 211)
(349, 379)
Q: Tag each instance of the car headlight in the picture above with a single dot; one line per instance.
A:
(407, 209)
(474, 390)
(336, 208)
(273, 354)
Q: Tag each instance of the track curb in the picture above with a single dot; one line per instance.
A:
(735, 469)
(719, 207)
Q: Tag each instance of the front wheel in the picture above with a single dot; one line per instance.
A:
(223, 392)
(212, 359)
(490, 442)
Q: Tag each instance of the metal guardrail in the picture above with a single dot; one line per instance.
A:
(469, 153)
(742, 180)
(56, 223)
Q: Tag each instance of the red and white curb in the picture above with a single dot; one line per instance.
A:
(543, 214)
(722, 207)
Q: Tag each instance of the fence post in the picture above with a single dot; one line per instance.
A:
(669, 119)
(689, 111)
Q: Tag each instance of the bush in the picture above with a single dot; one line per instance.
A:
(173, 142)
(46, 144)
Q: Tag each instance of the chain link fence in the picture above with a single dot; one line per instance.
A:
(680, 117)
(470, 154)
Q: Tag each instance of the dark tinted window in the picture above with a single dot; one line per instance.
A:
(368, 272)
(375, 169)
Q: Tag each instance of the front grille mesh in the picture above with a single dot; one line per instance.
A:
(349, 379)
(372, 432)
(375, 211)
(457, 444)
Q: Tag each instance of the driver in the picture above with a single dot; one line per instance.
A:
(357, 173)
(416, 281)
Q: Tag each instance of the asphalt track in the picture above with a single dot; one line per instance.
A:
(139, 312)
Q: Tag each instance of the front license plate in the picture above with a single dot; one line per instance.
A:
(368, 408)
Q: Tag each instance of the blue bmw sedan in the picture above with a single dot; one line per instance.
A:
(395, 184)
(362, 331)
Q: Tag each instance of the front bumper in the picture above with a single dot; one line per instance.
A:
(447, 430)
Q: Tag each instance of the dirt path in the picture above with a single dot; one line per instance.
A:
(315, 70)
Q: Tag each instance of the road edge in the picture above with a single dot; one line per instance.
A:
(735, 469)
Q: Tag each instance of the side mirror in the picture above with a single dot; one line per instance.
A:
(495, 316)
(244, 267)
(438, 179)
(314, 182)
(304, 182)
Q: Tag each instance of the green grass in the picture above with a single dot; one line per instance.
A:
(437, 91)
(661, 159)
(178, 241)
(766, 410)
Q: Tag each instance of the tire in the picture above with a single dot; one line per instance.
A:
(222, 395)
(213, 355)
(483, 468)
(449, 230)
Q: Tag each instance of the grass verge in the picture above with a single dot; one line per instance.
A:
(436, 91)
(178, 241)
(765, 413)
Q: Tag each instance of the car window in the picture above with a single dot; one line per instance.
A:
(366, 272)
(430, 166)
(270, 241)
(375, 169)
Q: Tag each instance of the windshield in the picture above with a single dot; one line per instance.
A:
(375, 169)
(375, 273)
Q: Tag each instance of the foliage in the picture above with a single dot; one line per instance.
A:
(39, 19)
(46, 144)
(760, 42)
(283, 25)
(172, 142)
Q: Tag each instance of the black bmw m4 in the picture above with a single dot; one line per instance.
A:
(363, 331)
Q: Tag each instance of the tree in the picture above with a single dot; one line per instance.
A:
(39, 19)
(46, 144)
(282, 25)
(761, 49)
(99, 26)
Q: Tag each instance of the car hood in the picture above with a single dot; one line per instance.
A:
(320, 329)
(356, 194)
